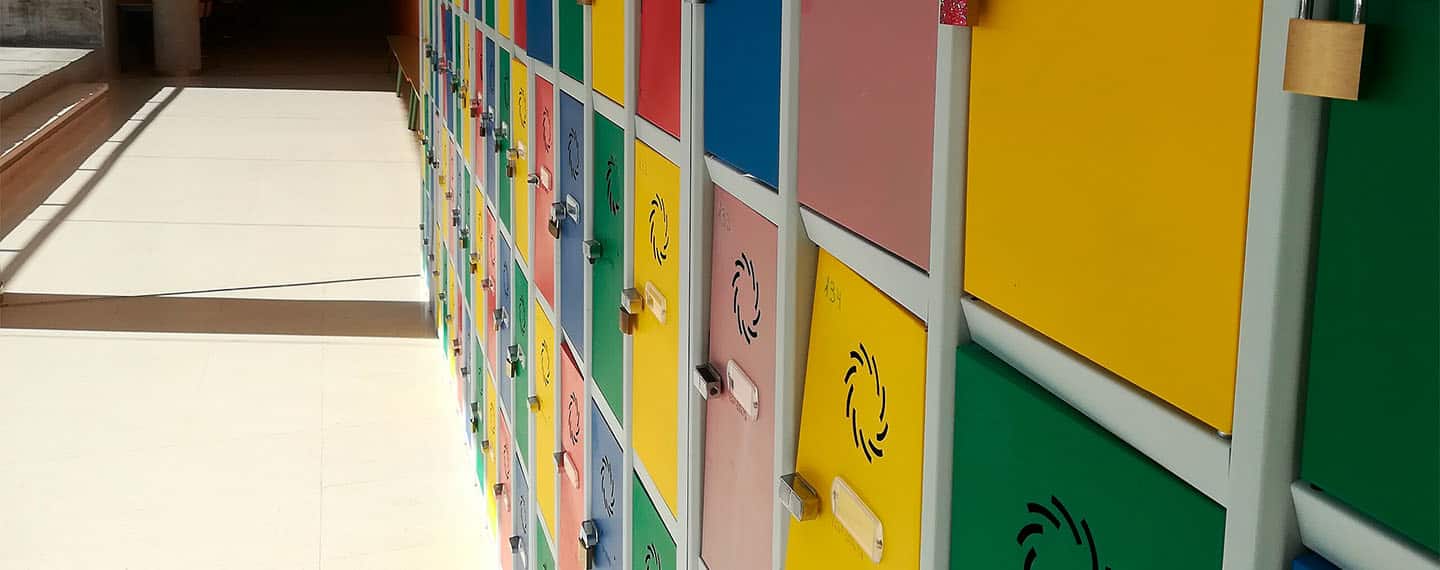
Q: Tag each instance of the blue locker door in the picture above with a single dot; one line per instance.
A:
(607, 508)
(742, 86)
(504, 281)
(539, 32)
(523, 519)
(490, 106)
(572, 236)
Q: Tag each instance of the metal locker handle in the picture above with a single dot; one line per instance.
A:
(706, 381)
(798, 497)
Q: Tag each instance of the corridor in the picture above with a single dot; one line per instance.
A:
(214, 351)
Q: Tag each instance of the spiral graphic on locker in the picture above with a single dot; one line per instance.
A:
(659, 230)
(572, 419)
(862, 368)
(546, 364)
(1033, 534)
(610, 198)
(652, 558)
(607, 486)
(745, 268)
(572, 153)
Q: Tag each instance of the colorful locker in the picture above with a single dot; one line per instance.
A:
(572, 40)
(544, 557)
(570, 463)
(651, 547)
(522, 25)
(546, 361)
(504, 324)
(1100, 193)
(607, 48)
(506, 141)
(1037, 483)
(572, 231)
(860, 449)
(503, 12)
(839, 178)
(607, 505)
(524, 519)
(520, 124)
(490, 12)
(520, 363)
(505, 493)
(1372, 433)
(545, 209)
(492, 187)
(742, 86)
(491, 284)
(608, 253)
(489, 447)
(656, 328)
(740, 420)
(538, 35)
(477, 112)
(659, 72)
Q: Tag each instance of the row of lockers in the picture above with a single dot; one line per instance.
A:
(1157, 304)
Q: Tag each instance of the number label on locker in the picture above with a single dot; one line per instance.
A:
(740, 418)
(657, 322)
(862, 428)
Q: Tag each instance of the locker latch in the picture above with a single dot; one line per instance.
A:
(798, 497)
(706, 381)
(454, 215)
(559, 211)
(475, 113)
(499, 490)
(511, 157)
(533, 401)
(517, 548)
(631, 303)
(464, 235)
(564, 464)
(585, 2)
(474, 263)
(513, 355)
(501, 319)
(593, 250)
(485, 444)
(474, 423)
(487, 282)
(589, 539)
(455, 346)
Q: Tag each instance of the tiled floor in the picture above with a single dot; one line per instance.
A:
(20, 66)
(128, 445)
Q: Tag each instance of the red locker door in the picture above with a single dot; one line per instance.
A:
(659, 85)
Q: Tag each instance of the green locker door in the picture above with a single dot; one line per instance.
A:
(572, 40)
(609, 275)
(1372, 432)
(651, 547)
(544, 559)
(521, 310)
(503, 140)
(1038, 485)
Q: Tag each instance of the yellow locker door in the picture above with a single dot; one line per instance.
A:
(545, 468)
(502, 20)
(608, 48)
(862, 426)
(520, 120)
(657, 330)
(1108, 184)
(492, 475)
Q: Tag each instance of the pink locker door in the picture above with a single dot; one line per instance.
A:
(659, 79)
(505, 501)
(865, 136)
(572, 471)
(544, 102)
(738, 483)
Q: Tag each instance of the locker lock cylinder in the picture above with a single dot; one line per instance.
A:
(593, 250)
(706, 381)
(589, 539)
(517, 548)
(559, 211)
(798, 497)
(512, 362)
(631, 303)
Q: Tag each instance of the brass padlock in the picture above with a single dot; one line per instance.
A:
(1322, 58)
